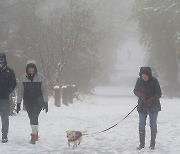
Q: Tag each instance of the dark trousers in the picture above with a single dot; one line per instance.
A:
(4, 112)
(33, 109)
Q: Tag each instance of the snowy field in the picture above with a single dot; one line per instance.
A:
(95, 113)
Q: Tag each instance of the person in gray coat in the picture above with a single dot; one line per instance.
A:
(33, 90)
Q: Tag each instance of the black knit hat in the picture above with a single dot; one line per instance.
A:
(145, 70)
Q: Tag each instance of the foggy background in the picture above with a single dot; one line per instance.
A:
(93, 42)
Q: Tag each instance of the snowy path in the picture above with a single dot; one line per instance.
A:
(94, 114)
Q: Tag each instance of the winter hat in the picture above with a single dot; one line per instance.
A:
(145, 70)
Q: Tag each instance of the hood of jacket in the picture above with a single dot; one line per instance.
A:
(31, 64)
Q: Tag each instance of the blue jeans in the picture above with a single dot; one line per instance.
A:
(152, 120)
(4, 112)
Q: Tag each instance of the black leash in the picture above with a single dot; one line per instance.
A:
(114, 124)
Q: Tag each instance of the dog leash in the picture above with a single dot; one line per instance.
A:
(114, 124)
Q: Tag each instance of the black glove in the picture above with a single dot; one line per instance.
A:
(45, 106)
(18, 107)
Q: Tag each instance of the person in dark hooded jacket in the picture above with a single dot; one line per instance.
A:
(33, 90)
(148, 91)
(7, 85)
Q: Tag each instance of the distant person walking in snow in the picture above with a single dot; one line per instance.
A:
(33, 90)
(7, 85)
(148, 91)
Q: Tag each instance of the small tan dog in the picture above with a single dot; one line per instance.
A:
(74, 137)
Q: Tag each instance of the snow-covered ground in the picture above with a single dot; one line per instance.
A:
(95, 113)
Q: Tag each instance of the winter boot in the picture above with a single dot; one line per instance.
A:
(33, 138)
(37, 137)
(153, 142)
(142, 140)
(4, 138)
(34, 133)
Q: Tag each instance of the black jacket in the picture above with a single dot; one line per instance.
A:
(7, 82)
(152, 90)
